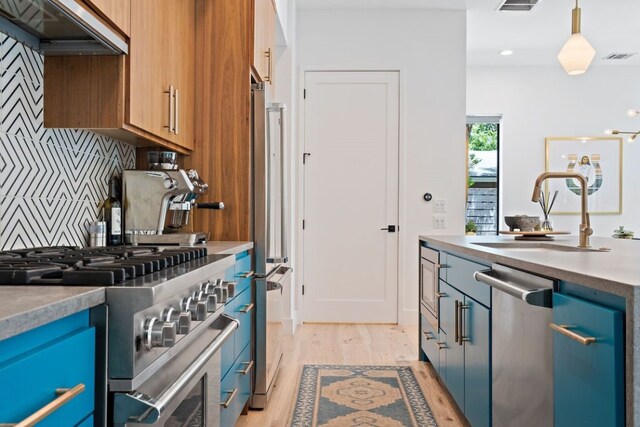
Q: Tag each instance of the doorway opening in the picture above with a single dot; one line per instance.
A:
(483, 175)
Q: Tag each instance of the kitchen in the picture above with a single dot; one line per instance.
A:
(447, 90)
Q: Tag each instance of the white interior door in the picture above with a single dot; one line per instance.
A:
(350, 194)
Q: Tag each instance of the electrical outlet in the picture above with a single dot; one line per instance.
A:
(439, 222)
(440, 206)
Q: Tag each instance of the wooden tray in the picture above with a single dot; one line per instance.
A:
(534, 235)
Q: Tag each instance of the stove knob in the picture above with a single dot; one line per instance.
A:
(158, 333)
(182, 319)
(211, 300)
(222, 294)
(231, 288)
(198, 309)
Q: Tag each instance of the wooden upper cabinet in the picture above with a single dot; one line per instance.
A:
(145, 97)
(264, 39)
(117, 12)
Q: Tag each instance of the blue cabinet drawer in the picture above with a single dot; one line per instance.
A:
(460, 275)
(243, 272)
(428, 342)
(228, 351)
(235, 389)
(30, 381)
(588, 378)
(244, 313)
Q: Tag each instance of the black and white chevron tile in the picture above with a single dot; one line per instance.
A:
(52, 181)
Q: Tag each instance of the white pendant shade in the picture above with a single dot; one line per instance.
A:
(576, 54)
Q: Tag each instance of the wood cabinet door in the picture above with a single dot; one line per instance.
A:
(454, 365)
(588, 384)
(148, 71)
(116, 11)
(260, 43)
(181, 68)
(476, 333)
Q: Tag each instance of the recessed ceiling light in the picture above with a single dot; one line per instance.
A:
(506, 52)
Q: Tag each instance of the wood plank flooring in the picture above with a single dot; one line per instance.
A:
(351, 345)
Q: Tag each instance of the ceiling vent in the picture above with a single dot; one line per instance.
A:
(517, 5)
(616, 56)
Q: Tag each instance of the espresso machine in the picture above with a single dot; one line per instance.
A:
(149, 195)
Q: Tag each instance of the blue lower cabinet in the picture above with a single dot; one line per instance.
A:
(429, 343)
(228, 352)
(476, 331)
(243, 312)
(588, 376)
(30, 380)
(235, 389)
(454, 366)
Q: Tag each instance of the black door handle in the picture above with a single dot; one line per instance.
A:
(390, 228)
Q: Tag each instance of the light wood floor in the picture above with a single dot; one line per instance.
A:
(351, 345)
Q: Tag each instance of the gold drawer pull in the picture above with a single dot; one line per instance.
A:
(247, 308)
(246, 274)
(427, 335)
(246, 370)
(232, 395)
(441, 345)
(64, 396)
(564, 330)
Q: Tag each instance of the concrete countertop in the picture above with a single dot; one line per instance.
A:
(26, 307)
(616, 271)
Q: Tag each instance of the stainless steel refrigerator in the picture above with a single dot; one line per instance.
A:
(270, 234)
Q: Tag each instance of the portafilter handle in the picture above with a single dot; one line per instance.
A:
(214, 205)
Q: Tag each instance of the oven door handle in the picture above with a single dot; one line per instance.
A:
(140, 408)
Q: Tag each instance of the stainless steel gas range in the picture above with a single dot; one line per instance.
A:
(162, 328)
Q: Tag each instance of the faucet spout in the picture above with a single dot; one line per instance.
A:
(585, 226)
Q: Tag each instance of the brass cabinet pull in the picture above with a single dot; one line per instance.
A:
(456, 321)
(232, 395)
(269, 55)
(246, 274)
(176, 111)
(441, 345)
(171, 93)
(246, 370)
(427, 335)
(247, 308)
(462, 337)
(64, 396)
(441, 295)
(564, 330)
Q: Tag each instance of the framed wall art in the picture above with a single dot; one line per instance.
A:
(599, 159)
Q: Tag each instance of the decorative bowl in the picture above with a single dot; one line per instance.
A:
(522, 222)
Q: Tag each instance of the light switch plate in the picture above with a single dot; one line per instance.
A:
(440, 206)
(439, 222)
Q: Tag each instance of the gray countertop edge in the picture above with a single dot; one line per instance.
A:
(499, 256)
(61, 302)
(227, 247)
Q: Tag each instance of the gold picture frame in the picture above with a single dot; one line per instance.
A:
(599, 159)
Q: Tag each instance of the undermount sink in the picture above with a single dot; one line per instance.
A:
(538, 247)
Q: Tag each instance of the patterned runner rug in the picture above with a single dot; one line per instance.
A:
(340, 396)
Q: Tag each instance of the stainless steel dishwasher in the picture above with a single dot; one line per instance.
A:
(522, 347)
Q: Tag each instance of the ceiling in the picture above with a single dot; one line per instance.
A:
(536, 37)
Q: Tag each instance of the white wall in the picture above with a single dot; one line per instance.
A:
(428, 47)
(537, 102)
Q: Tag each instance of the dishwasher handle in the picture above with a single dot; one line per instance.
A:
(541, 297)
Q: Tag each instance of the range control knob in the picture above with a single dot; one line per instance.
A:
(211, 300)
(158, 333)
(198, 309)
(231, 288)
(182, 319)
(222, 293)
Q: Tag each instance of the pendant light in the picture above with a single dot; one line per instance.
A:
(576, 54)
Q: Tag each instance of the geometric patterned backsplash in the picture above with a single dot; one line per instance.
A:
(52, 181)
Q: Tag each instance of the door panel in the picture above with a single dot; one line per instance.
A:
(351, 192)
(454, 365)
(477, 375)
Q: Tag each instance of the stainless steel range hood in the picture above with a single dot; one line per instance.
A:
(59, 27)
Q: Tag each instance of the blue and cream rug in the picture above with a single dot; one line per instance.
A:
(340, 396)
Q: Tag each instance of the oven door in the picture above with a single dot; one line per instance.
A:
(429, 285)
(185, 392)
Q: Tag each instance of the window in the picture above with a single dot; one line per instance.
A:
(483, 143)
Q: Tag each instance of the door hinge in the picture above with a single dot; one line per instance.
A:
(304, 94)
(303, 224)
(302, 289)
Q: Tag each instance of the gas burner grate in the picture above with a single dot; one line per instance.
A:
(89, 266)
